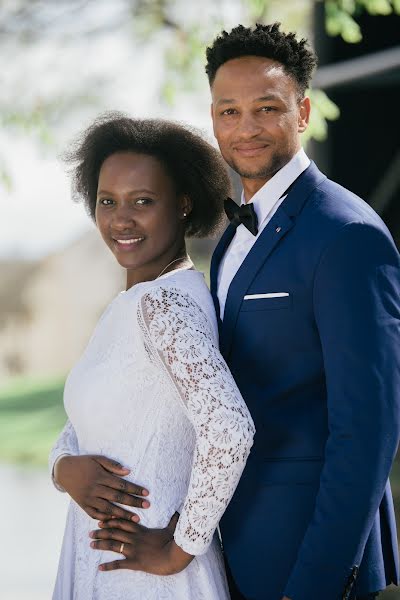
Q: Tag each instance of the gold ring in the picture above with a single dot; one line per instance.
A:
(121, 548)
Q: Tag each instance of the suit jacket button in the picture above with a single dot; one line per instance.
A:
(278, 229)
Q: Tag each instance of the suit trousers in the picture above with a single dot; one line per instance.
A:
(237, 595)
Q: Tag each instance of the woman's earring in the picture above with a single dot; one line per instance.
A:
(185, 214)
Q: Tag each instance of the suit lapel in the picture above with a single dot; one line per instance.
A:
(216, 258)
(276, 229)
(283, 220)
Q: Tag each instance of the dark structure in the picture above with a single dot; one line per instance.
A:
(362, 151)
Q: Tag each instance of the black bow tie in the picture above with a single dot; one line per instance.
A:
(244, 214)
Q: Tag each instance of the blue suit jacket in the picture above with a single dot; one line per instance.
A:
(320, 372)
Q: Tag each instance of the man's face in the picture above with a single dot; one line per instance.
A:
(257, 116)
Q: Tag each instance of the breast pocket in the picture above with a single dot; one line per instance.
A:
(269, 301)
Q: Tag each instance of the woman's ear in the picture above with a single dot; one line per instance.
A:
(186, 206)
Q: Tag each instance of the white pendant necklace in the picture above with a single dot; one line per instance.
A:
(174, 261)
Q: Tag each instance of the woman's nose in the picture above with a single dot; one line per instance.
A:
(123, 217)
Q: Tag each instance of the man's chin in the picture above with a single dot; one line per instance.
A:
(265, 172)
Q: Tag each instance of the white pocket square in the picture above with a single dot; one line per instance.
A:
(273, 295)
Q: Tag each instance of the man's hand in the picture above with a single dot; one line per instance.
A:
(96, 483)
(150, 550)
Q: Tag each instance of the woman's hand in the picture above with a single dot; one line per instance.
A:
(96, 483)
(150, 550)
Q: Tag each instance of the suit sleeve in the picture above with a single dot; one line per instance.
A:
(357, 313)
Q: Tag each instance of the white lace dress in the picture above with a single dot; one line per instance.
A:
(153, 392)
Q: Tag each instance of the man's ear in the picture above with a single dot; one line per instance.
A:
(304, 114)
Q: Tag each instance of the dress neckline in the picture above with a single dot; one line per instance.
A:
(165, 276)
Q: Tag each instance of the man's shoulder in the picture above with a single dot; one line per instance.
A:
(334, 206)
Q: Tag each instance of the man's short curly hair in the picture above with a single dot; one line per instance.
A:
(196, 168)
(268, 41)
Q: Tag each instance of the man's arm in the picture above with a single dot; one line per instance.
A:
(357, 312)
(96, 483)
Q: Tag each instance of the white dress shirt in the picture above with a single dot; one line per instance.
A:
(266, 202)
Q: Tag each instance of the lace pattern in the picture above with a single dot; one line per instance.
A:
(66, 444)
(181, 337)
(152, 391)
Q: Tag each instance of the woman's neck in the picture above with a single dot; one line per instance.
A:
(162, 267)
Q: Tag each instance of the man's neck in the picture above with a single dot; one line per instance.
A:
(251, 186)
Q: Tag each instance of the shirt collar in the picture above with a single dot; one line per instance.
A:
(265, 199)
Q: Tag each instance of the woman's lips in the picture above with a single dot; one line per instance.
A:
(127, 244)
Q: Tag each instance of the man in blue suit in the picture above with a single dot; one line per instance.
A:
(306, 282)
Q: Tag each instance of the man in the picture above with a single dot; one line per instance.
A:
(307, 289)
(306, 282)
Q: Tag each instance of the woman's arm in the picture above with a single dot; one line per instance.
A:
(181, 339)
(179, 336)
(66, 445)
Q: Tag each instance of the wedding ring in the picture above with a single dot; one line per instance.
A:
(121, 548)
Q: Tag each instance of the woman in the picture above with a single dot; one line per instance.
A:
(151, 390)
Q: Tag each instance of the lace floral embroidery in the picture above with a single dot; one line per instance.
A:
(66, 443)
(179, 333)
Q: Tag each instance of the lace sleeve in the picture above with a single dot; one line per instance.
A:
(179, 334)
(66, 444)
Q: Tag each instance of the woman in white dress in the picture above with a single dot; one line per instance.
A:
(151, 400)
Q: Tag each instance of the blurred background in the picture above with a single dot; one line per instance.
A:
(62, 63)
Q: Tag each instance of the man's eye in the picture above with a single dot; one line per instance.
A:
(105, 201)
(143, 201)
(268, 109)
(229, 111)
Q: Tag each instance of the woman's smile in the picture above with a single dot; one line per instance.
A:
(127, 244)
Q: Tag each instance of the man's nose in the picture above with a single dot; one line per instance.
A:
(248, 127)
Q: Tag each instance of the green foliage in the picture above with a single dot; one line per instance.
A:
(184, 42)
(340, 16)
(30, 122)
(31, 417)
(5, 177)
(183, 61)
(322, 111)
(258, 9)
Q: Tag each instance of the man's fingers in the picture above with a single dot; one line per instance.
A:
(120, 524)
(97, 514)
(112, 465)
(125, 486)
(173, 522)
(110, 510)
(118, 497)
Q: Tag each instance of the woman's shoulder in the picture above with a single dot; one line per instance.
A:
(181, 293)
(183, 282)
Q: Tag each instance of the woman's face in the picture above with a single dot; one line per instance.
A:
(139, 214)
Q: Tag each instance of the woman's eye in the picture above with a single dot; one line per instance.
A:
(229, 111)
(268, 109)
(143, 201)
(105, 201)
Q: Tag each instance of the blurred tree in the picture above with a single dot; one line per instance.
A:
(341, 15)
(26, 25)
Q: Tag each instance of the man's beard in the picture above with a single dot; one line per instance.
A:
(275, 164)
